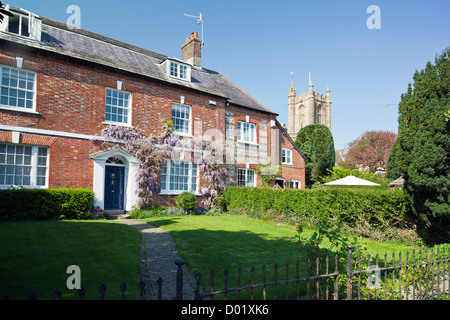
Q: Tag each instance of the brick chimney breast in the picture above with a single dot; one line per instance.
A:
(191, 50)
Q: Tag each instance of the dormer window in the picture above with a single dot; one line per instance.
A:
(179, 70)
(23, 23)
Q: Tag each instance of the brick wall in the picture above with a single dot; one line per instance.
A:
(70, 97)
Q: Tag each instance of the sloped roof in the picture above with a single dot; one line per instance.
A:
(81, 44)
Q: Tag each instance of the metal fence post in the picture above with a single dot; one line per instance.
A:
(179, 286)
(349, 271)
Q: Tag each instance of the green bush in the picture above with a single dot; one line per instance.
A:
(43, 204)
(187, 201)
(373, 206)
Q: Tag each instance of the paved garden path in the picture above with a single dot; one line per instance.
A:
(158, 255)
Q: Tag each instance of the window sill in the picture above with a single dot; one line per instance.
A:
(15, 187)
(286, 164)
(175, 193)
(250, 143)
(23, 110)
(185, 135)
(110, 123)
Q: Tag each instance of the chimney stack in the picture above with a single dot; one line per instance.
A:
(191, 51)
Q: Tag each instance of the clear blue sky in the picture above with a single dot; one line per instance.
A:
(257, 44)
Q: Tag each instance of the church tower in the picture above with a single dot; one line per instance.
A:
(307, 108)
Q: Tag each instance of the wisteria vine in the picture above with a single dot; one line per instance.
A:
(154, 151)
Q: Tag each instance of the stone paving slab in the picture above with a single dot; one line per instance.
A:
(157, 258)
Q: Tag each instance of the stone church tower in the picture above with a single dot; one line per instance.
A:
(308, 108)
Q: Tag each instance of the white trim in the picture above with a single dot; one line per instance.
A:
(34, 166)
(246, 174)
(26, 90)
(18, 109)
(241, 133)
(128, 108)
(184, 134)
(131, 165)
(167, 190)
(178, 64)
(19, 62)
(290, 156)
(15, 137)
(295, 181)
(50, 132)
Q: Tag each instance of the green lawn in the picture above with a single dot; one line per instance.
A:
(218, 242)
(34, 256)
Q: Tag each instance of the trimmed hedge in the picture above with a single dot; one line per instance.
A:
(43, 204)
(373, 205)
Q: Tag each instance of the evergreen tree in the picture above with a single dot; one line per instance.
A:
(317, 144)
(392, 169)
(423, 151)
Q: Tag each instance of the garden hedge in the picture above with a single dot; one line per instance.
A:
(43, 204)
(373, 205)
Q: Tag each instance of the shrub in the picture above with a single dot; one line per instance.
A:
(372, 206)
(187, 202)
(42, 204)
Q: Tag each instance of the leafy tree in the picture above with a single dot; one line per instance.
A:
(424, 147)
(317, 144)
(371, 149)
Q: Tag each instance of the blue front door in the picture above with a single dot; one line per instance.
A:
(114, 187)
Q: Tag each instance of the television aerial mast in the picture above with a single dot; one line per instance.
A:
(199, 21)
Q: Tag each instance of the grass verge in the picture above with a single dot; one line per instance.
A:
(34, 256)
(229, 242)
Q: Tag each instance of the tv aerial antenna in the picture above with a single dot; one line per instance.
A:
(199, 21)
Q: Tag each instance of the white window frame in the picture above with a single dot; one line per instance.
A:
(174, 70)
(111, 105)
(243, 126)
(34, 164)
(176, 105)
(25, 90)
(293, 182)
(246, 173)
(286, 156)
(34, 23)
(166, 190)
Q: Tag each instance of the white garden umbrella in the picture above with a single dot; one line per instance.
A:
(351, 181)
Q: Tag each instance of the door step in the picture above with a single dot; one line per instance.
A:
(117, 214)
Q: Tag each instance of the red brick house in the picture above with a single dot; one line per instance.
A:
(60, 87)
